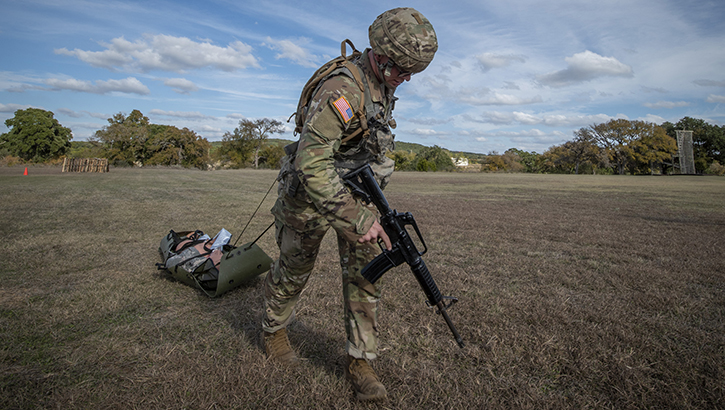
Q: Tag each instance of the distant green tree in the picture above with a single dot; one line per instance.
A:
(85, 149)
(434, 158)
(248, 139)
(168, 145)
(530, 160)
(236, 148)
(35, 136)
(652, 149)
(270, 156)
(557, 160)
(124, 138)
(133, 139)
(715, 169)
(492, 162)
(423, 165)
(404, 160)
(583, 149)
(708, 140)
(615, 137)
(509, 161)
(627, 143)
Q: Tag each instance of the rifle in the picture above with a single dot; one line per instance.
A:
(362, 183)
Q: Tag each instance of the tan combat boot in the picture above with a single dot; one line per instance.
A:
(364, 381)
(278, 348)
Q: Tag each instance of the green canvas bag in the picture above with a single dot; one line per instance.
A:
(190, 258)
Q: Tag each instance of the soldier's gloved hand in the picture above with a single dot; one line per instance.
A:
(376, 231)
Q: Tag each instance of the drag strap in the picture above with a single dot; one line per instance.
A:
(255, 213)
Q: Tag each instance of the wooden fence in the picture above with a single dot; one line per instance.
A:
(85, 165)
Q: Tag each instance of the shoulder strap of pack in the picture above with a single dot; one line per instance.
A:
(366, 102)
(308, 91)
(341, 64)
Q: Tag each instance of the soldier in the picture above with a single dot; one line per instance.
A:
(336, 138)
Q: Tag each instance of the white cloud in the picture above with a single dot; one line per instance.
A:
(468, 91)
(98, 115)
(551, 120)
(21, 88)
(84, 126)
(166, 53)
(526, 133)
(128, 85)
(586, 66)
(80, 114)
(501, 118)
(69, 113)
(499, 99)
(490, 60)
(424, 132)
(210, 129)
(290, 50)
(181, 85)
(656, 119)
(712, 98)
(426, 120)
(649, 90)
(12, 107)
(667, 104)
(709, 83)
(528, 139)
(188, 115)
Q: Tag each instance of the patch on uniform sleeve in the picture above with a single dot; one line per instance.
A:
(343, 107)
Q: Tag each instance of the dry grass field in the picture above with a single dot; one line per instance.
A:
(603, 292)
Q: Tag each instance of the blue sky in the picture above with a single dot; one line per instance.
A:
(519, 74)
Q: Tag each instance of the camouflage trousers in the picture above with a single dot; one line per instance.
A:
(300, 230)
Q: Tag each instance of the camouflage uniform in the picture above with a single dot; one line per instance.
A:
(312, 197)
(322, 201)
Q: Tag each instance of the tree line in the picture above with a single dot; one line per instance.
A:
(620, 147)
(616, 147)
(132, 140)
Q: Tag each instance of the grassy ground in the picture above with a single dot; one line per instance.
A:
(575, 292)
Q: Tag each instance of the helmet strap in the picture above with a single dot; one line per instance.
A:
(384, 70)
(388, 67)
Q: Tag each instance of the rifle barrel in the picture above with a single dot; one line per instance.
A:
(442, 311)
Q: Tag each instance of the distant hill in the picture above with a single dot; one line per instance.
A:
(279, 141)
(417, 148)
(399, 146)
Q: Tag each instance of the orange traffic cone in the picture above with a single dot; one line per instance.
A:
(26, 171)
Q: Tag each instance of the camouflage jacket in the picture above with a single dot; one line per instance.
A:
(324, 153)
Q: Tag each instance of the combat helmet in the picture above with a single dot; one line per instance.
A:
(406, 37)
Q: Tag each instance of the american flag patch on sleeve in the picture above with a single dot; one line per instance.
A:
(343, 107)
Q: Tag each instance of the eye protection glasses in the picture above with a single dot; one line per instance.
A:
(401, 72)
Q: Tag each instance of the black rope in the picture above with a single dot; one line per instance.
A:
(255, 213)
(255, 241)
